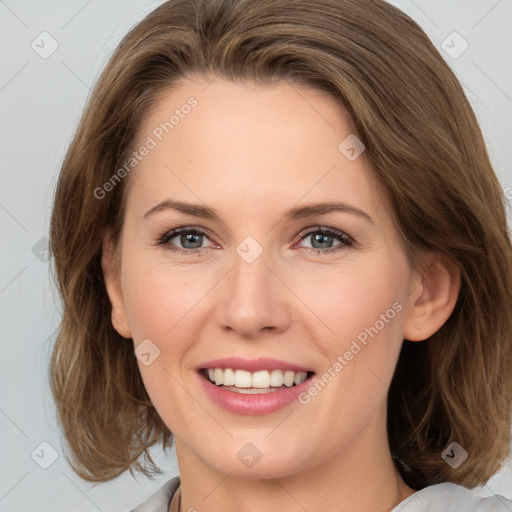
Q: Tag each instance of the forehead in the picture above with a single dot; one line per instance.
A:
(233, 144)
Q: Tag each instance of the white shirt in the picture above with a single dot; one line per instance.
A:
(446, 497)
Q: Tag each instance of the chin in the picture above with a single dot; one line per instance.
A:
(256, 460)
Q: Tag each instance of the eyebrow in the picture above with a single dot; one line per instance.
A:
(299, 212)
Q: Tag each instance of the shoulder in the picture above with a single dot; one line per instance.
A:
(159, 501)
(449, 497)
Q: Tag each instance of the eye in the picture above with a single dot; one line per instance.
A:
(191, 240)
(322, 240)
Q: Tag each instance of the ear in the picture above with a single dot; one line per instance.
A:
(111, 266)
(433, 298)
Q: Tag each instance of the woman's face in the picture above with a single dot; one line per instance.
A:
(251, 284)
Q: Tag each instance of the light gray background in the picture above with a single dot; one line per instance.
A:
(40, 102)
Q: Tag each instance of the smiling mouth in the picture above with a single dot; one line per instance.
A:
(264, 381)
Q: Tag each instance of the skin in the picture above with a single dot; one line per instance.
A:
(251, 152)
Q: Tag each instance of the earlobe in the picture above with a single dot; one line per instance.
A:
(433, 299)
(110, 265)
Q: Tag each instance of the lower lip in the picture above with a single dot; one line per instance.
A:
(254, 404)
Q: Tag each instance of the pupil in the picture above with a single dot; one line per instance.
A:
(322, 239)
(194, 239)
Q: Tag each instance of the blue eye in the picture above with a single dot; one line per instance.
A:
(192, 239)
(323, 238)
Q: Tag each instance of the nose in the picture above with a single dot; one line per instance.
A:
(253, 301)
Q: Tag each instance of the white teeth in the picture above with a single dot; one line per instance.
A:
(298, 378)
(289, 377)
(263, 379)
(228, 379)
(242, 378)
(260, 379)
(277, 378)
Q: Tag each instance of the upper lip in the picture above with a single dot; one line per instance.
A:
(253, 365)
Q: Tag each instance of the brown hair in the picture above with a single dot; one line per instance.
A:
(428, 155)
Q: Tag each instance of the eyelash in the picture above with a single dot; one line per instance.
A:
(346, 241)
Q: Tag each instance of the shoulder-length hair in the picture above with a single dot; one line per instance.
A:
(428, 156)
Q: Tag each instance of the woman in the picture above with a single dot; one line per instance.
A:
(278, 236)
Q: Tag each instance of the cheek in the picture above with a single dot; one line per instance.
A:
(345, 302)
(359, 335)
(160, 299)
(162, 305)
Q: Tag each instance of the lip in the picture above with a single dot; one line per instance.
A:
(252, 365)
(252, 404)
